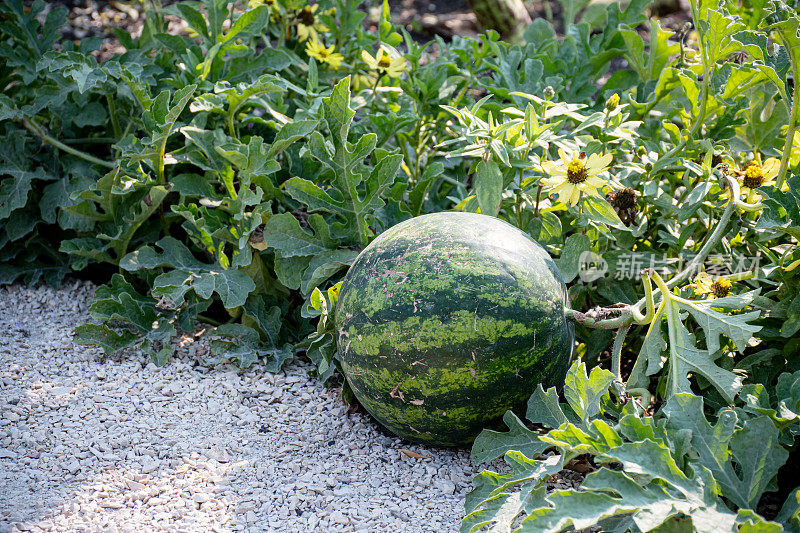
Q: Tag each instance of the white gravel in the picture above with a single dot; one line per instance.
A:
(126, 446)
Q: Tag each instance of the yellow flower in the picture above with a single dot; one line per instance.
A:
(255, 3)
(317, 50)
(307, 23)
(386, 62)
(571, 177)
(755, 174)
(705, 285)
(794, 155)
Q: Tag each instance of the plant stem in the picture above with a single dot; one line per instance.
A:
(538, 195)
(451, 181)
(231, 126)
(671, 312)
(711, 241)
(701, 114)
(787, 146)
(519, 200)
(616, 351)
(418, 151)
(90, 140)
(208, 320)
(644, 393)
(740, 276)
(375, 93)
(461, 93)
(112, 111)
(37, 130)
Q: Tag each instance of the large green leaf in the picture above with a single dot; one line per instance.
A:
(143, 324)
(242, 344)
(649, 65)
(227, 100)
(357, 192)
(14, 189)
(650, 487)
(782, 209)
(160, 118)
(771, 59)
(543, 407)
(569, 264)
(754, 446)
(488, 502)
(492, 444)
(284, 234)
(685, 356)
(584, 392)
(718, 30)
(188, 273)
(82, 69)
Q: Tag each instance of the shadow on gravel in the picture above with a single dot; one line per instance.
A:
(117, 446)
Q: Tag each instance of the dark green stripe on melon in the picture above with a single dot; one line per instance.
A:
(447, 320)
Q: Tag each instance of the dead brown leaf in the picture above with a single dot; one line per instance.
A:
(413, 455)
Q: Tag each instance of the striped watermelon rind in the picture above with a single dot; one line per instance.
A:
(447, 320)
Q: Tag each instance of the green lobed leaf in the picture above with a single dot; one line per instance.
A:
(232, 285)
(490, 485)
(491, 444)
(544, 408)
(584, 392)
(754, 447)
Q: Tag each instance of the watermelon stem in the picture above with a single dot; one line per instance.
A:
(604, 317)
(647, 398)
(616, 351)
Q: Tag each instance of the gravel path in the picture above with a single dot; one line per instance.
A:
(126, 446)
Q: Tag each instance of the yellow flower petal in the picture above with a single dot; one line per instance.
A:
(558, 188)
(770, 168)
(556, 171)
(576, 195)
(588, 188)
(595, 171)
(368, 59)
(565, 192)
(594, 181)
(550, 182)
(596, 161)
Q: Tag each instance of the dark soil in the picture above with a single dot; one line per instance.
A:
(424, 19)
(99, 18)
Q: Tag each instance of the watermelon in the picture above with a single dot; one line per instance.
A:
(447, 320)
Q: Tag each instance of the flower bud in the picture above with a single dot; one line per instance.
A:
(612, 102)
(549, 93)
